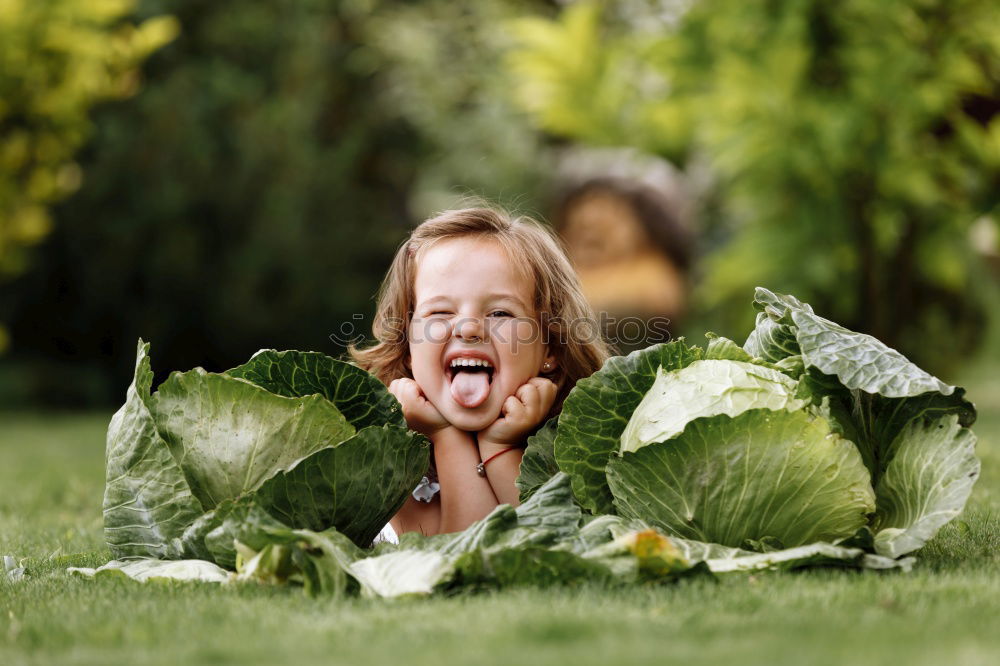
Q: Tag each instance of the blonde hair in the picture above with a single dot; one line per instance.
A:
(534, 249)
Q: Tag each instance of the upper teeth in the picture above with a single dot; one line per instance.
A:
(471, 361)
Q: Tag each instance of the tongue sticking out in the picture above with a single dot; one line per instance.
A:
(469, 389)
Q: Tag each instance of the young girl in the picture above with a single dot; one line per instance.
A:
(482, 330)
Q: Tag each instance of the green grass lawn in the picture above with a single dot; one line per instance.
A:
(51, 483)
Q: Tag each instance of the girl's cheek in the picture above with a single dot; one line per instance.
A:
(523, 334)
(438, 331)
(433, 331)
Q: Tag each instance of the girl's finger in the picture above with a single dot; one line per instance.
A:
(528, 394)
(546, 401)
(405, 393)
(544, 385)
(414, 391)
(549, 391)
(396, 390)
(512, 406)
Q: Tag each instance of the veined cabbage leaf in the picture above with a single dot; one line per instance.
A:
(762, 474)
(705, 388)
(597, 410)
(910, 427)
(538, 464)
(186, 465)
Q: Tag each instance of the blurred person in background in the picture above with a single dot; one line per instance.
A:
(631, 246)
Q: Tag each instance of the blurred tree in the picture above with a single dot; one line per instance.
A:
(247, 197)
(439, 61)
(253, 193)
(596, 76)
(57, 59)
(853, 144)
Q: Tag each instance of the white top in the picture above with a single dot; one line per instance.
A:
(387, 535)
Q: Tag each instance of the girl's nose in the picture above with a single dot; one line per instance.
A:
(469, 328)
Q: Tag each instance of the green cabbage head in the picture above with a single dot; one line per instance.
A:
(287, 440)
(808, 433)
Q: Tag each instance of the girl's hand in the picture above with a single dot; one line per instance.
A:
(520, 413)
(420, 414)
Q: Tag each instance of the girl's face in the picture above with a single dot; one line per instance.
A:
(472, 307)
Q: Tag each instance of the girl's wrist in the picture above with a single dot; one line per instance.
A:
(488, 447)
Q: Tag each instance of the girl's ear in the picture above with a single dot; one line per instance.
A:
(549, 364)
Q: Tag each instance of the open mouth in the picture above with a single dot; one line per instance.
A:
(470, 380)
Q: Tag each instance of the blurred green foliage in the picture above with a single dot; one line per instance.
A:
(852, 144)
(247, 197)
(440, 64)
(57, 59)
(596, 77)
(254, 191)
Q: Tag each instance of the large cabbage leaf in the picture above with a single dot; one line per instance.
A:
(359, 396)
(786, 326)
(538, 464)
(212, 458)
(153, 570)
(356, 486)
(705, 388)
(764, 474)
(597, 410)
(926, 483)
(147, 501)
(886, 405)
(229, 436)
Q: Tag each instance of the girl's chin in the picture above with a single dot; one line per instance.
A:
(471, 420)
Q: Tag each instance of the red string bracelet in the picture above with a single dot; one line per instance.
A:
(481, 467)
